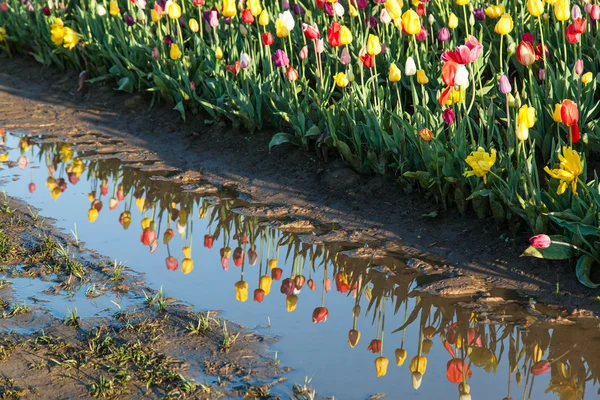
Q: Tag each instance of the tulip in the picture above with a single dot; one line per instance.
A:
(345, 57)
(299, 281)
(525, 120)
(443, 34)
(31, 187)
(229, 8)
(303, 54)
(384, 17)
(479, 14)
(218, 53)
(341, 80)
(561, 10)
(452, 21)
(373, 45)
(272, 263)
(244, 60)
(540, 367)
(319, 47)
(417, 378)
(311, 32)
(112, 203)
(259, 295)
(595, 12)
(422, 77)
(410, 67)
(367, 59)
(234, 68)
(569, 113)
(155, 16)
(575, 12)
(504, 25)
(175, 53)
(172, 263)
(400, 356)
(263, 19)
(457, 370)
(535, 7)
(92, 214)
(280, 59)
(311, 284)
(375, 346)
(418, 364)
(267, 38)
(238, 256)
(540, 241)
(287, 286)
(578, 68)
(345, 36)
(504, 86)
(425, 134)
(290, 302)
(411, 22)
(422, 35)
(525, 54)
(320, 315)
(381, 364)
(187, 265)
(587, 78)
(353, 338)
(276, 273)
(100, 10)
(174, 10)
(394, 74)
(254, 6)
(114, 8)
(494, 11)
(147, 236)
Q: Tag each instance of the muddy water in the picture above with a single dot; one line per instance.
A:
(234, 256)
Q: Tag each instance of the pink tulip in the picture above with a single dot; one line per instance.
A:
(345, 57)
(540, 241)
(303, 53)
(319, 46)
(504, 85)
(540, 367)
(579, 67)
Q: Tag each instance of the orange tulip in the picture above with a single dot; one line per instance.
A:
(569, 112)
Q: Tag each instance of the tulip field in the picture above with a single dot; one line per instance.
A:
(488, 106)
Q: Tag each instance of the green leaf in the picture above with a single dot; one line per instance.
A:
(125, 85)
(179, 107)
(553, 252)
(584, 265)
(283, 137)
(576, 227)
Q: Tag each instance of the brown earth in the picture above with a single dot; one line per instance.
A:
(372, 209)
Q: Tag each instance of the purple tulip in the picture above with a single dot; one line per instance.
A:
(362, 4)
(443, 34)
(287, 286)
(129, 20)
(298, 9)
(448, 116)
(286, 5)
(371, 21)
(168, 40)
(328, 9)
(479, 14)
(504, 85)
(280, 59)
(162, 3)
(540, 241)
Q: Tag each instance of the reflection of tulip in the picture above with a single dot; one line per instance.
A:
(356, 311)
(92, 214)
(172, 263)
(272, 264)
(265, 283)
(353, 338)
(120, 193)
(519, 378)
(147, 236)
(484, 358)
(429, 332)
(104, 189)
(97, 204)
(31, 187)
(327, 284)
(55, 193)
(540, 367)
(168, 235)
(311, 284)
(259, 295)
(187, 265)
(146, 223)
(225, 263)
(290, 302)
(112, 203)
(276, 273)
(427, 343)
(287, 286)
(22, 162)
(417, 378)
(400, 356)
(153, 245)
(238, 256)
(418, 364)
(381, 364)
(241, 291)
(187, 252)
(125, 219)
(299, 281)
(320, 314)
(456, 369)
(341, 283)
(208, 241)
(140, 202)
(225, 252)
(474, 339)
(252, 257)
(375, 346)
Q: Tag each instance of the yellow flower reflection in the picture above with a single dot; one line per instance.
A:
(381, 364)
(290, 302)
(241, 291)
(187, 265)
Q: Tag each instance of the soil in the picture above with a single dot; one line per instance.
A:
(291, 182)
(155, 348)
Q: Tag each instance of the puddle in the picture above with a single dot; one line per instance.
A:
(231, 249)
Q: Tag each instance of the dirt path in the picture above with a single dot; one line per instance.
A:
(373, 209)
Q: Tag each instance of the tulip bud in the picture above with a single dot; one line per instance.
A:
(431, 19)
(410, 67)
(276, 273)
(243, 30)
(540, 241)
(400, 356)
(100, 10)
(218, 53)
(519, 378)
(587, 78)
(579, 67)
(575, 12)
(303, 54)
(353, 338)
(112, 203)
(290, 302)
(443, 34)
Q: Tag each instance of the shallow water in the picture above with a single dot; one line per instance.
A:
(373, 297)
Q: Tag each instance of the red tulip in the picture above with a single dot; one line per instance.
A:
(367, 60)
(320, 4)
(234, 68)
(540, 241)
(276, 274)
(147, 236)
(327, 284)
(311, 32)
(32, 187)
(595, 12)
(449, 72)
(267, 38)
(73, 178)
(198, 3)
(569, 112)
(62, 185)
(579, 25)
(540, 367)
(299, 281)
(287, 286)
(473, 338)
(120, 194)
(172, 263)
(238, 256)
(456, 370)
(353, 337)
(311, 284)
(97, 204)
(375, 346)
(574, 133)
(259, 295)
(168, 235)
(333, 34)
(421, 9)
(320, 315)
(525, 54)
(572, 35)
(540, 50)
(47, 11)
(208, 241)
(247, 16)
(225, 263)
(341, 283)
(104, 189)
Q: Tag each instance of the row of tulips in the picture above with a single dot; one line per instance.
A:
(532, 348)
(491, 107)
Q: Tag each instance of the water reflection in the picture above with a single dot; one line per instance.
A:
(518, 354)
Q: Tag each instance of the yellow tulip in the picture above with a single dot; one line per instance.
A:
(140, 202)
(187, 252)
(55, 193)
(194, 27)
(418, 364)
(381, 364)
(174, 10)
(229, 8)
(345, 35)
(114, 8)
(187, 265)
(556, 116)
(2, 34)
(154, 15)
(263, 20)
(462, 2)
(218, 53)
(537, 353)
(393, 9)
(535, 7)
(281, 28)
(411, 22)
(373, 45)
(568, 172)
(92, 214)
(241, 291)
(394, 75)
(400, 356)
(272, 263)
(4, 158)
(587, 78)
(562, 10)
(504, 25)
(452, 21)
(227, 252)
(146, 223)
(290, 302)
(175, 53)
(422, 77)
(341, 79)
(525, 120)
(265, 283)
(70, 38)
(494, 11)
(352, 11)
(254, 7)
(481, 163)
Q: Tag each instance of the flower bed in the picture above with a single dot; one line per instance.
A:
(486, 106)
